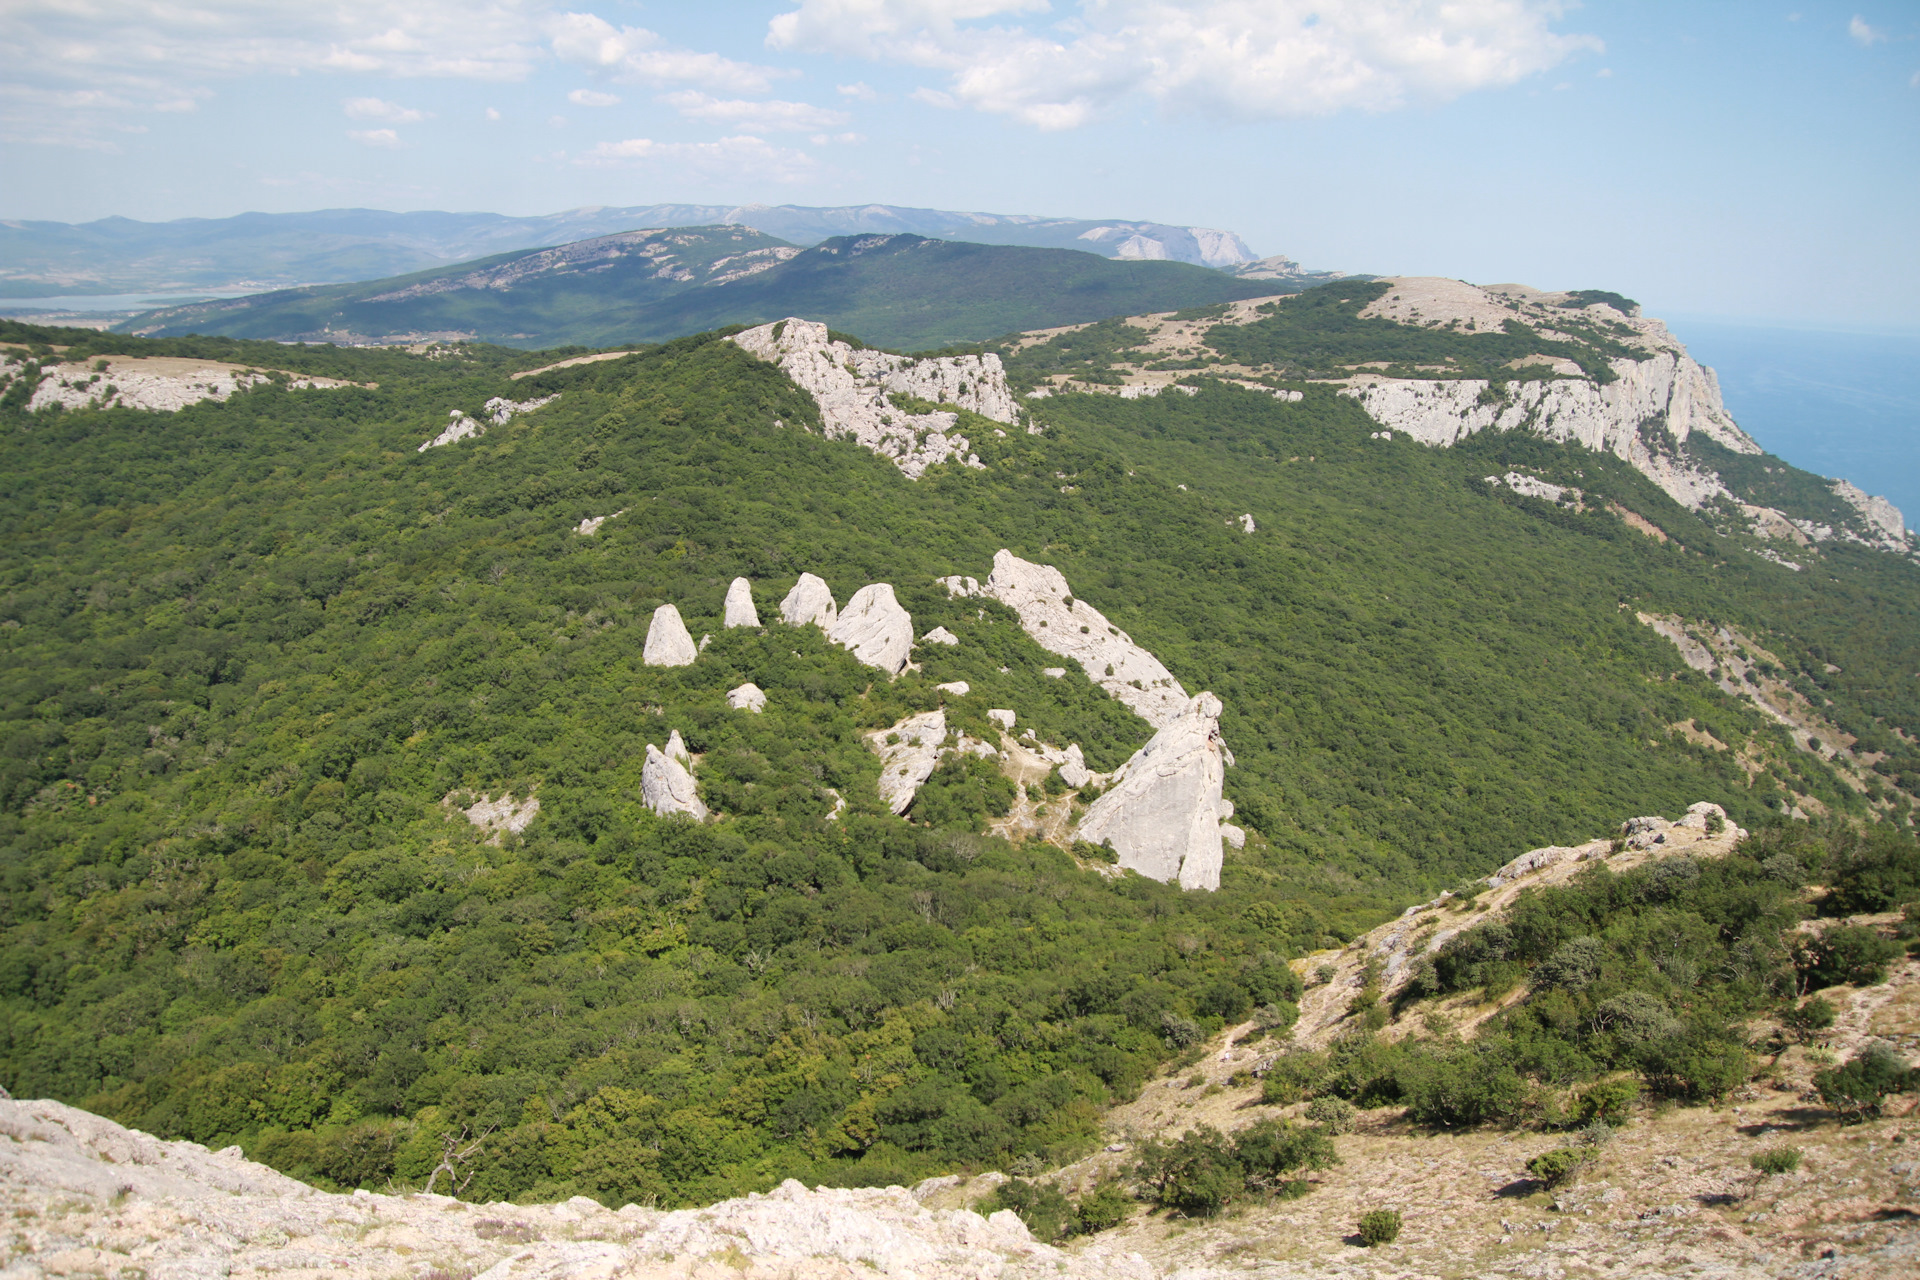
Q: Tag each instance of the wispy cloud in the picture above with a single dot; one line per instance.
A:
(1865, 34)
(634, 53)
(380, 109)
(593, 98)
(1218, 57)
(754, 117)
(375, 137)
(739, 157)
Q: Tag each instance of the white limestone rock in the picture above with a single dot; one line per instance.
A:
(958, 688)
(908, 753)
(748, 697)
(1246, 523)
(875, 628)
(1054, 673)
(1234, 836)
(852, 389)
(505, 816)
(669, 643)
(500, 410)
(461, 427)
(959, 587)
(1884, 526)
(1162, 813)
(667, 787)
(677, 748)
(590, 526)
(1074, 771)
(739, 609)
(811, 600)
(940, 635)
(1075, 629)
(1002, 717)
(160, 384)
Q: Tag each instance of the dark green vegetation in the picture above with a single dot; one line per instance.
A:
(901, 291)
(1857, 1089)
(1051, 1216)
(1203, 1171)
(1646, 977)
(1775, 1161)
(1380, 1226)
(1320, 334)
(250, 647)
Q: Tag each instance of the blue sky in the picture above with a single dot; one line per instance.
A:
(1730, 159)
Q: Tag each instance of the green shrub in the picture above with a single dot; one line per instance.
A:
(1381, 1226)
(1558, 1168)
(1105, 1207)
(1203, 1171)
(1845, 953)
(1608, 1100)
(1335, 1115)
(1809, 1019)
(1042, 1206)
(1291, 1077)
(1775, 1160)
(1858, 1088)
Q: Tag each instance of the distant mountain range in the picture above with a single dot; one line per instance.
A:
(901, 291)
(275, 250)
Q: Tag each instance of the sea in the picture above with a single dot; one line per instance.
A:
(1831, 402)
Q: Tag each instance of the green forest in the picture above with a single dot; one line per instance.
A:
(251, 647)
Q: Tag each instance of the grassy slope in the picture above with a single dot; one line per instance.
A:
(266, 637)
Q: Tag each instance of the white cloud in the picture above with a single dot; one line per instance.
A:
(1233, 58)
(1868, 36)
(739, 157)
(493, 113)
(374, 137)
(753, 117)
(859, 90)
(592, 98)
(380, 109)
(822, 139)
(634, 53)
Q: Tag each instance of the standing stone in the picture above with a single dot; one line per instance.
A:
(909, 759)
(667, 787)
(740, 610)
(677, 748)
(1162, 813)
(876, 628)
(669, 644)
(748, 697)
(811, 600)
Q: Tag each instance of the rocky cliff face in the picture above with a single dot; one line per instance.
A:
(1163, 811)
(852, 389)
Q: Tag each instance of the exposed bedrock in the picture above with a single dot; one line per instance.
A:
(811, 600)
(1162, 813)
(669, 644)
(875, 628)
(666, 785)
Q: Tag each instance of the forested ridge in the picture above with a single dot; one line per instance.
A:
(251, 646)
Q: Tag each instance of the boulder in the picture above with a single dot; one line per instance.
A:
(875, 628)
(1074, 771)
(669, 644)
(1235, 836)
(748, 697)
(940, 635)
(908, 753)
(958, 688)
(677, 748)
(739, 610)
(1002, 717)
(1161, 815)
(666, 787)
(811, 600)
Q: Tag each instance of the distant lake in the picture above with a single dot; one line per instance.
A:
(1840, 404)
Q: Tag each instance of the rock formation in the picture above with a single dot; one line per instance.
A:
(665, 785)
(1075, 629)
(497, 412)
(505, 816)
(739, 609)
(161, 384)
(853, 389)
(958, 688)
(875, 628)
(1002, 716)
(588, 527)
(940, 635)
(748, 697)
(84, 1196)
(1162, 813)
(811, 600)
(669, 644)
(908, 753)
(677, 748)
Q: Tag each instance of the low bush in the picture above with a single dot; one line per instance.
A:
(1103, 1208)
(1845, 953)
(1807, 1020)
(1203, 1171)
(1610, 1101)
(1558, 1168)
(1335, 1115)
(1382, 1226)
(1858, 1088)
(1775, 1160)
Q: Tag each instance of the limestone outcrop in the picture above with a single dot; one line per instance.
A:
(908, 753)
(669, 643)
(677, 748)
(1162, 813)
(875, 628)
(748, 697)
(162, 384)
(739, 607)
(497, 412)
(854, 390)
(940, 635)
(1075, 629)
(505, 816)
(590, 526)
(666, 785)
(811, 600)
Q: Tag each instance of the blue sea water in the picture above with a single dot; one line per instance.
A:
(1839, 404)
